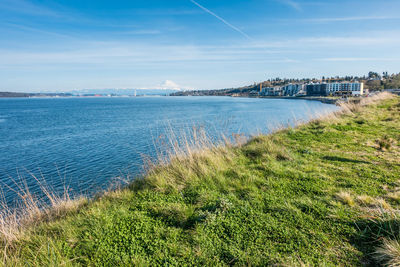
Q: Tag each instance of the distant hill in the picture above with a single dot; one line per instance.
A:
(15, 94)
(12, 94)
(243, 91)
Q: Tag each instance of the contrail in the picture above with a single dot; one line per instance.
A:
(221, 19)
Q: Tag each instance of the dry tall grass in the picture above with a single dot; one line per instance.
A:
(345, 198)
(189, 159)
(352, 106)
(346, 107)
(388, 223)
(30, 211)
(389, 253)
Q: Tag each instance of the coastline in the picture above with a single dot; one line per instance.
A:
(265, 200)
(325, 100)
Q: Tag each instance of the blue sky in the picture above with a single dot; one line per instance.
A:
(64, 45)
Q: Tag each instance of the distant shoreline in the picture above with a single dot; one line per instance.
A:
(320, 99)
(325, 100)
(76, 96)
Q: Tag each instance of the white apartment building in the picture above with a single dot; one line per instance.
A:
(340, 88)
(271, 91)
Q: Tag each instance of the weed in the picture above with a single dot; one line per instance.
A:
(360, 121)
(365, 200)
(385, 143)
(346, 198)
(389, 253)
(395, 196)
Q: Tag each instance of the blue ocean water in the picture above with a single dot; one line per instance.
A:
(84, 143)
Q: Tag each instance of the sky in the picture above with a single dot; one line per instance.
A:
(65, 45)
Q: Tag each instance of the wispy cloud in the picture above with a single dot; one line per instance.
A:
(51, 11)
(164, 11)
(354, 59)
(323, 42)
(222, 20)
(101, 53)
(343, 41)
(142, 32)
(35, 30)
(355, 18)
(127, 54)
(292, 4)
(26, 7)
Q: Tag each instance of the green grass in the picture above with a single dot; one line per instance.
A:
(313, 195)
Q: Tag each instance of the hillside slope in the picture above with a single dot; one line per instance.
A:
(326, 192)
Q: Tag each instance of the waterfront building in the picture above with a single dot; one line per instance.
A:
(316, 89)
(335, 89)
(271, 91)
(350, 89)
(292, 89)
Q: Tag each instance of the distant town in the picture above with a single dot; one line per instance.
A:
(347, 86)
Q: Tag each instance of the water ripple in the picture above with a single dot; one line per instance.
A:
(85, 143)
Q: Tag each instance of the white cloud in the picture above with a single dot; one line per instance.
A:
(366, 40)
(291, 4)
(353, 59)
(142, 32)
(128, 54)
(35, 30)
(361, 18)
(124, 64)
(164, 11)
(26, 7)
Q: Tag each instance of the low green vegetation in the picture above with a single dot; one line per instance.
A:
(325, 193)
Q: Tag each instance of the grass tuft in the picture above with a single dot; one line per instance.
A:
(385, 143)
(395, 196)
(389, 253)
(346, 198)
(15, 222)
(365, 200)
